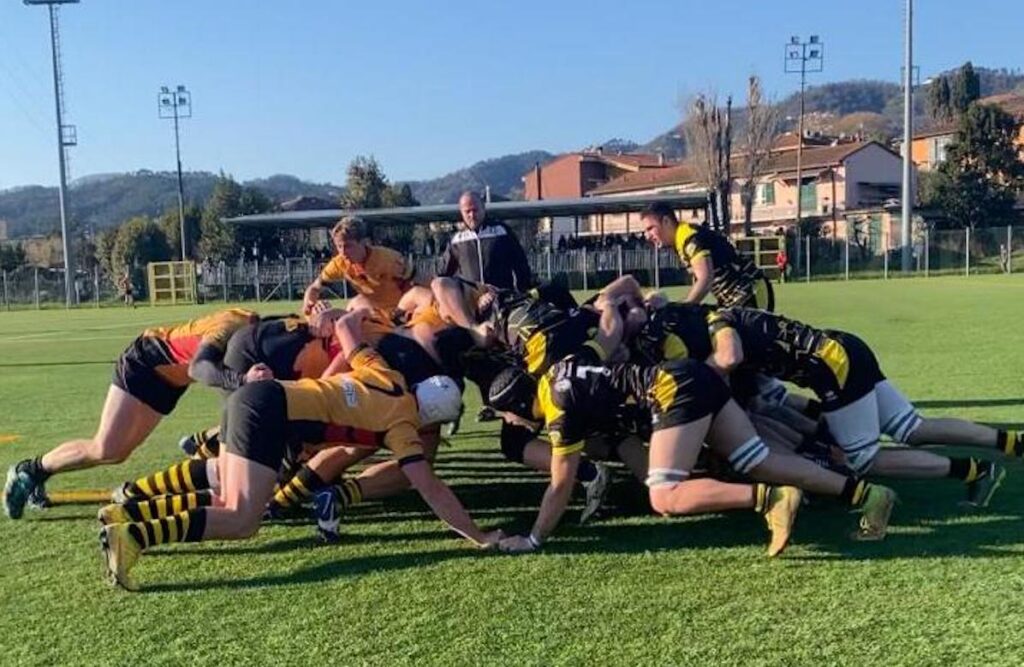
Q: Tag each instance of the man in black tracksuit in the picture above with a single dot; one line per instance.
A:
(485, 252)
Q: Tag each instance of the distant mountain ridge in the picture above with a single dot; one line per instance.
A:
(99, 201)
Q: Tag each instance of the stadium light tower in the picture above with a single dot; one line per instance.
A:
(177, 104)
(804, 57)
(908, 138)
(66, 134)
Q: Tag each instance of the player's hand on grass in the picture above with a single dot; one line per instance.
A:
(491, 540)
(259, 372)
(517, 544)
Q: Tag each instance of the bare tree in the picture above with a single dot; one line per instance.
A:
(762, 126)
(708, 130)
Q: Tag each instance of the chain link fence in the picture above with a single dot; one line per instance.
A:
(934, 253)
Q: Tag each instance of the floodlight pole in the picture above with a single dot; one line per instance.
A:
(800, 55)
(62, 143)
(179, 104)
(908, 138)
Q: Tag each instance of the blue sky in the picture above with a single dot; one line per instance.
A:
(431, 86)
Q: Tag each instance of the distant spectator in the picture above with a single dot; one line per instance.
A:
(127, 290)
(782, 263)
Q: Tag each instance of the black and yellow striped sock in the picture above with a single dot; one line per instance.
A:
(762, 493)
(181, 527)
(298, 489)
(967, 470)
(189, 475)
(855, 491)
(1010, 442)
(162, 507)
(208, 443)
(351, 493)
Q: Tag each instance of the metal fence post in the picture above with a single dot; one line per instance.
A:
(37, 287)
(224, 279)
(847, 258)
(256, 278)
(584, 269)
(1009, 249)
(927, 251)
(344, 289)
(657, 269)
(549, 264)
(619, 249)
(967, 253)
(7, 303)
(807, 259)
(288, 276)
(96, 283)
(885, 255)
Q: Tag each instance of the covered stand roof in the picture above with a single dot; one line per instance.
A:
(506, 210)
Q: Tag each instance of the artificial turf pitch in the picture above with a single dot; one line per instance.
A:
(944, 587)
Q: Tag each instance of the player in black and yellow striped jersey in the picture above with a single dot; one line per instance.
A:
(149, 378)
(263, 420)
(716, 267)
(689, 404)
(678, 330)
(858, 402)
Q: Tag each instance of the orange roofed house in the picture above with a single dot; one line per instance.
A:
(839, 181)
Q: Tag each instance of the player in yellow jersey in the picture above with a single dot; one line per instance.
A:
(149, 378)
(711, 259)
(263, 420)
(380, 275)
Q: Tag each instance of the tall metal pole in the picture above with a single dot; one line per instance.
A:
(908, 136)
(801, 53)
(177, 104)
(181, 188)
(61, 158)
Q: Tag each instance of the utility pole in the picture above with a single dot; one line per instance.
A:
(908, 137)
(66, 135)
(177, 104)
(805, 58)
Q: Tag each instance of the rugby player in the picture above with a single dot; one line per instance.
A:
(857, 401)
(264, 419)
(681, 330)
(538, 334)
(711, 259)
(689, 405)
(380, 275)
(149, 378)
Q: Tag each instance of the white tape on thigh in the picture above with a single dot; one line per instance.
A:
(663, 476)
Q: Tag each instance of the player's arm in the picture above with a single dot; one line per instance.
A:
(624, 288)
(556, 497)
(349, 332)
(312, 295)
(207, 366)
(727, 347)
(445, 505)
(703, 271)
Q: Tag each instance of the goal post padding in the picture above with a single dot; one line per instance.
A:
(762, 250)
(171, 283)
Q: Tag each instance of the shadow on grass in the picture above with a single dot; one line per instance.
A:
(324, 572)
(969, 403)
(927, 524)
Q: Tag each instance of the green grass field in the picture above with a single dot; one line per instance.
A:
(632, 589)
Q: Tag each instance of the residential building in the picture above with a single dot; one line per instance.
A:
(928, 147)
(836, 180)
